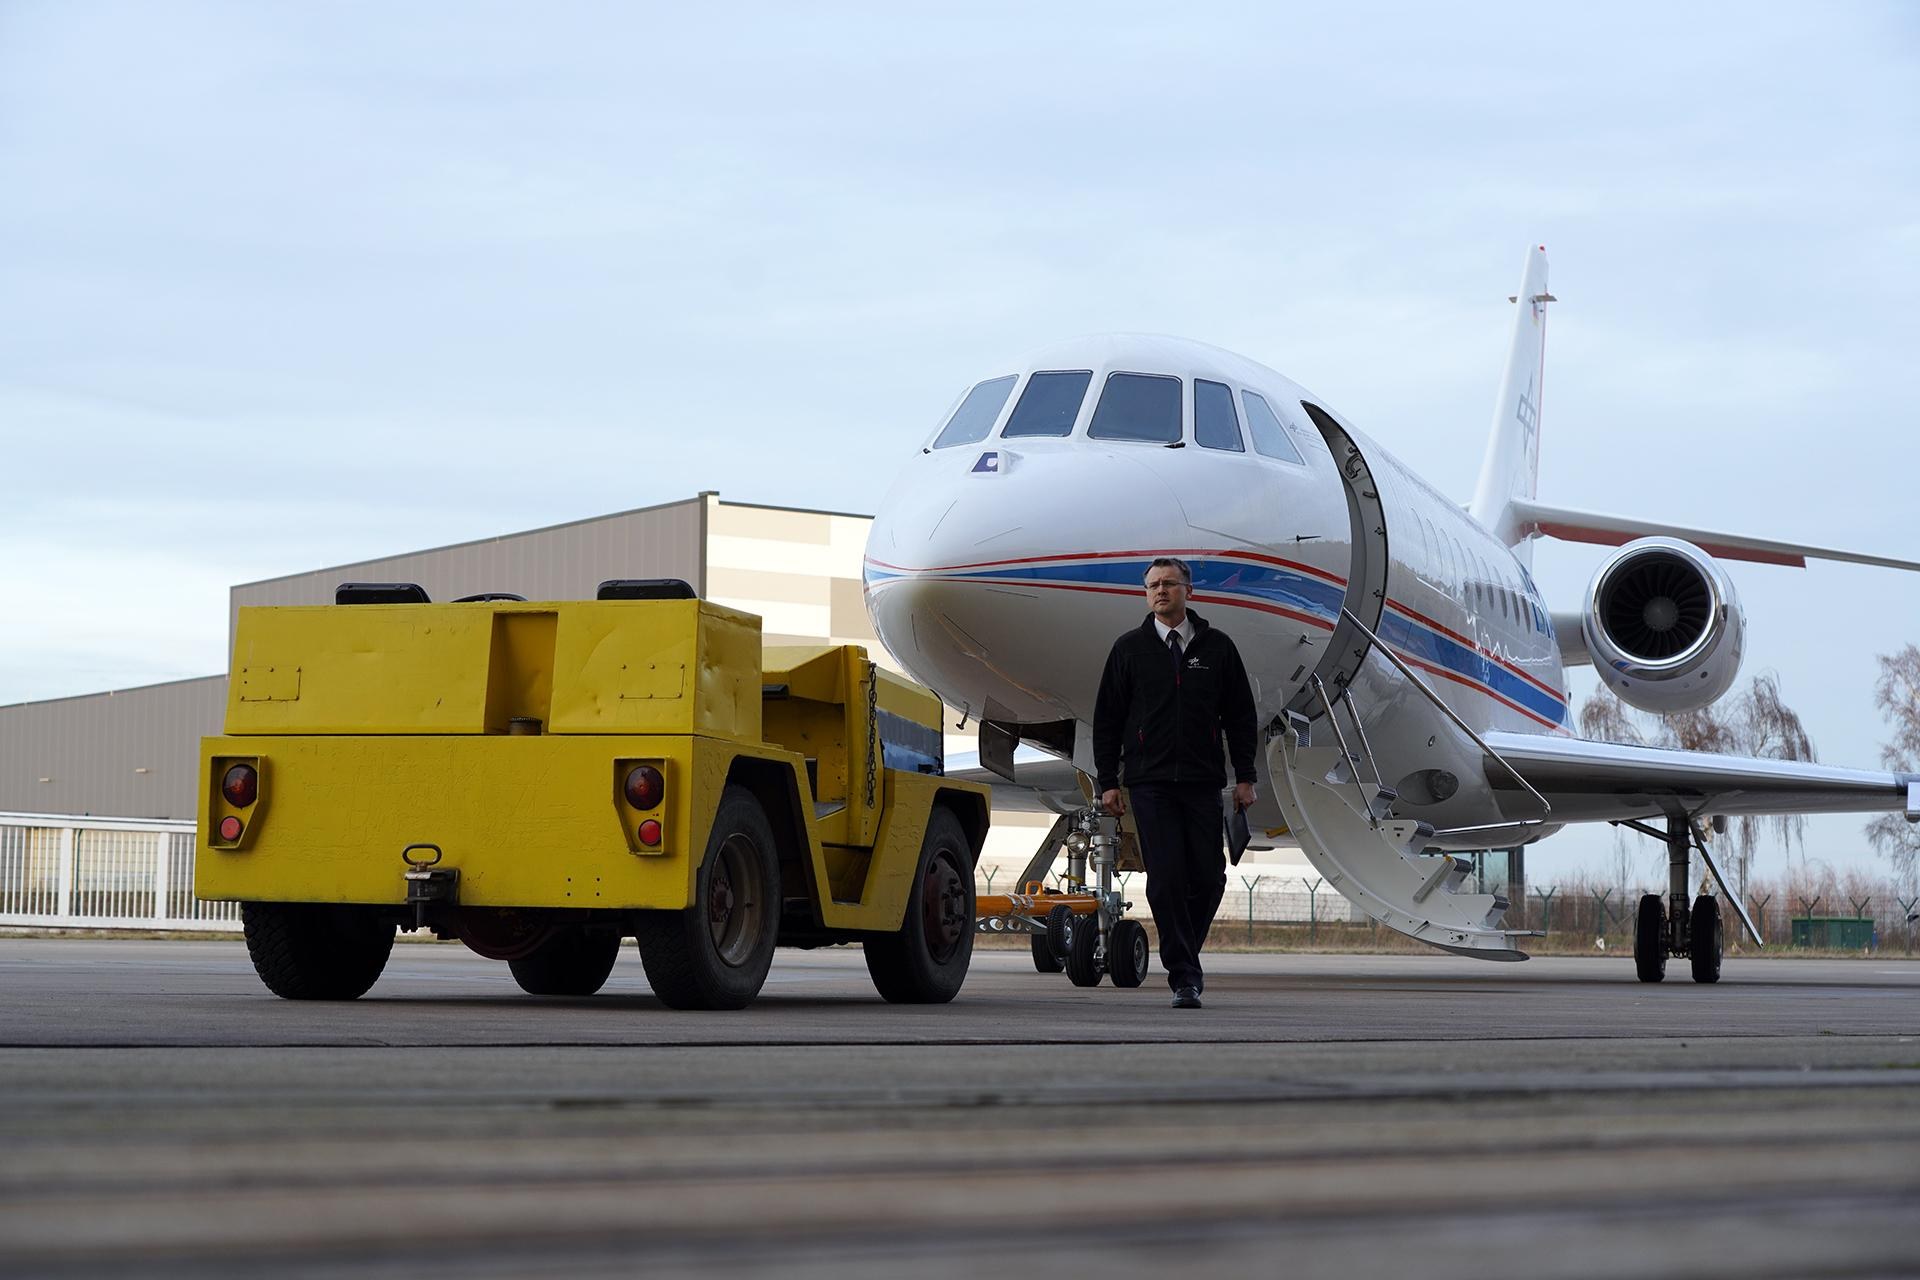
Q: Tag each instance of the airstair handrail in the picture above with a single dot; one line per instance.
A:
(1546, 809)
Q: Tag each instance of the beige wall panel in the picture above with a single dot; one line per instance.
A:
(129, 753)
(773, 524)
(811, 559)
(753, 584)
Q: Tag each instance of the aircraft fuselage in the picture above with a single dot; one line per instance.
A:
(1010, 553)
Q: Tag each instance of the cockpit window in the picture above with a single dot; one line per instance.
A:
(1214, 424)
(1049, 405)
(1138, 406)
(974, 418)
(1269, 437)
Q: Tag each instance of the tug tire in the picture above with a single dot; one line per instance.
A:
(715, 953)
(317, 950)
(574, 961)
(926, 961)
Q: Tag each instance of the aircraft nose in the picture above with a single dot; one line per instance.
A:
(967, 563)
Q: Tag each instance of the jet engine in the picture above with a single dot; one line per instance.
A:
(1663, 625)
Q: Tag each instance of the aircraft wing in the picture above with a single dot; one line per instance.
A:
(1569, 525)
(1588, 781)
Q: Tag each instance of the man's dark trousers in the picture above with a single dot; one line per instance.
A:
(1182, 843)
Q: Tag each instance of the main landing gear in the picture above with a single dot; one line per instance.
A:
(1675, 926)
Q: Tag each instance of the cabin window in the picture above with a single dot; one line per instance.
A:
(975, 416)
(1269, 437)
(1214, 423)
(1138, 406)
(1049, 405)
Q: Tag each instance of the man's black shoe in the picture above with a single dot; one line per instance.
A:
(1186, 998)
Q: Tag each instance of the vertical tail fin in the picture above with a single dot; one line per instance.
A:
(1512, 464)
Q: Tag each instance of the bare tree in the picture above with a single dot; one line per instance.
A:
(1897, 694)
(1756, 722)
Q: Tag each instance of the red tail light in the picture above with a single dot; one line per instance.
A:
(241, 786)
(649, 832)
(230, 828)
(645, 786)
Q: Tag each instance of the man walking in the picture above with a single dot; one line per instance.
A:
(1170, 687)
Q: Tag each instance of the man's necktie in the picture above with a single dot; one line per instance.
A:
(1173, 646)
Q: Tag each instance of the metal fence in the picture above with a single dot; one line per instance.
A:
(102, 873)
(1265, 899)
(1836, 921)
(1577, 915)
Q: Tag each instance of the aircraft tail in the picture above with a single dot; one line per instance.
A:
(1511, 468)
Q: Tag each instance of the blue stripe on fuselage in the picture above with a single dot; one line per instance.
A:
(1419, 641)
(1273, 585)
(1267, 583)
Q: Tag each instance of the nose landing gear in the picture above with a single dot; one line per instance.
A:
(1083, 930)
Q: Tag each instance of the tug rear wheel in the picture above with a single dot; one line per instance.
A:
(1043, 958)
(1650, 939)
(317, 950)
(573, 961)
(926, 962)
(1705, 939)
(715, 954)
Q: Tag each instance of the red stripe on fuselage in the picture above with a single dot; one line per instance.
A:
(1421, 618)
(1258, 606)
(1262, 607)
(1476, 686)
(1257, 556)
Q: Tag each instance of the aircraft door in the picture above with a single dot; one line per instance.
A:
(1366, 597)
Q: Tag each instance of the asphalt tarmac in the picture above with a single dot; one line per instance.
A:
(1346, 1116)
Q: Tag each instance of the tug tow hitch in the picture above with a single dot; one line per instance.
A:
(427, 883)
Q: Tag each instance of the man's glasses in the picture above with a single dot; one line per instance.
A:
(1167, 583)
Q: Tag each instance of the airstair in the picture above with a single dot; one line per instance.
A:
(1340, 810)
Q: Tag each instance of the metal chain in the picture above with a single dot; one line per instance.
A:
(873, 724)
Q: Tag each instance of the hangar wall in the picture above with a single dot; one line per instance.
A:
(559, 562)
(127, 753)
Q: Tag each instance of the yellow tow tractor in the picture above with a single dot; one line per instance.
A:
(541, 780)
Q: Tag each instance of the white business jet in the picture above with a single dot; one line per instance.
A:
(1409, 676)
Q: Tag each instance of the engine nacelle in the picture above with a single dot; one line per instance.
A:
(1663, 625)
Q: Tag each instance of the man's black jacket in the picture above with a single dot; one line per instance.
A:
(1165, 722)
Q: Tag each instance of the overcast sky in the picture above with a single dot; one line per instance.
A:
(289, 286)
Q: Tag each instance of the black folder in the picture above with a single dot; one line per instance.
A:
(1237, 834)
